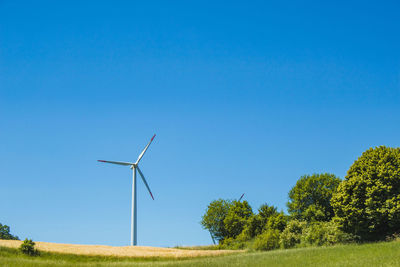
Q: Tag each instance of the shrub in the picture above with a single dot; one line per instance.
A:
(291, 235)
(367, 202)
(268, 240)
(325, 233)
(233, 243)
(245, 235)
(28, 248)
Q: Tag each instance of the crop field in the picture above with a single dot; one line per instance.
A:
(137, 251)
(373, 254)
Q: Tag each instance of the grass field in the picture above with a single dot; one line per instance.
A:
(376, 254)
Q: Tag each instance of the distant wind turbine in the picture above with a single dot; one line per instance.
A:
(134, 167)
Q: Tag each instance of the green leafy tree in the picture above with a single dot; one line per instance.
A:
(257, 222)
(28, 247)
(267, 218)
(213, 219)
(367, 203)
(310, 198)
(277, 221)
(237, 217)
(5, 233)
(253, 227)
(266, 211)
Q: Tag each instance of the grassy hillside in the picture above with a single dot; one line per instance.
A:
(377, 254)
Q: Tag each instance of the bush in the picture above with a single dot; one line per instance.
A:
(28, 248)
(233, 243)
(325, 233)
(291, 235)
(268, 240)
(367, 202)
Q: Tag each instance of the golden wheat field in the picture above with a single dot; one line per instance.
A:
(100, 250)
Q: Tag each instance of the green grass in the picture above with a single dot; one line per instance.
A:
(374, 254)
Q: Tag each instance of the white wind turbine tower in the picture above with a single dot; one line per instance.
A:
(134, 167)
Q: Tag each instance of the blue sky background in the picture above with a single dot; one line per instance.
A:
(243, 97)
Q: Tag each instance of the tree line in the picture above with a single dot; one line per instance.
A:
(322, 209)
(5, 233)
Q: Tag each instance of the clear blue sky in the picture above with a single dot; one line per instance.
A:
(245, 97)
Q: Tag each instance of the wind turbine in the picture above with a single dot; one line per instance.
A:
(134, 167)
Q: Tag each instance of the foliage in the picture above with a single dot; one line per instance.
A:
(28, 247)
(292, 234)
(271, 219)
(277, 221)
(252, 228)
(213, 219)
(236, 218)
(310, 198)
(233, 243)
(325, 233)
(5, 233)
(268, 240)
(367, 203)
(266, 211)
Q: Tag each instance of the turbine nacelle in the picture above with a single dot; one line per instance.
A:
(135, 166)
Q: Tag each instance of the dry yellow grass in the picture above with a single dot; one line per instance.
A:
(99, 250)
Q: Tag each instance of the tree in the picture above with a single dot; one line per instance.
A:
(277, 221)
(213, 219)
(5, 233)
(271, 218)
(253, 227)
(266, 211)
(237, 217)
(268, 218)
(310, 198)
(28, 247)
(367, 202)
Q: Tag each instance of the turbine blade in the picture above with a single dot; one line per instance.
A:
(144, 181)
(144, 150)
(117, 162)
